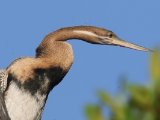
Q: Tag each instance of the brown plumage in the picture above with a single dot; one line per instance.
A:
(31, 79)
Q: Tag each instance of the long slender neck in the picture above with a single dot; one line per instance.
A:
(33, 78)
(85, 33)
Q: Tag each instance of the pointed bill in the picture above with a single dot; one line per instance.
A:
(126, 44)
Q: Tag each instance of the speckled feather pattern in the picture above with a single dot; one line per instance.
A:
(3, 80)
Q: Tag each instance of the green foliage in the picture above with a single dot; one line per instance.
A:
(94, 112)
(155, 66)
(140, 102)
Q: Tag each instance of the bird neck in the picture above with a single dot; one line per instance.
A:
(85, 33)
(23, 105)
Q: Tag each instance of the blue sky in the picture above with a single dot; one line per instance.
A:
(23, 24)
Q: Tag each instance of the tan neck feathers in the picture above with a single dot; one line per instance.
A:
(85, 33)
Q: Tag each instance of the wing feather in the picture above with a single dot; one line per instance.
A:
(3, 84)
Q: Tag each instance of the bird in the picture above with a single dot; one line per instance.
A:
(26, 83)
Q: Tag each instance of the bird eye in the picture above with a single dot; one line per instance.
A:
(110, 35)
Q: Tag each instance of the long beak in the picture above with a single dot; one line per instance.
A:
(122, 43)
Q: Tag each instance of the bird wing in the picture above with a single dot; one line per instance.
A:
(3, 80)
(3, 84)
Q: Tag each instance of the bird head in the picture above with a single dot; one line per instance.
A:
(106, 37)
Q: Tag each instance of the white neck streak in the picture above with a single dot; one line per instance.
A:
(21, 105)
(89, 33)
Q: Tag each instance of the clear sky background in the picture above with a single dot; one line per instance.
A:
(23, 24)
